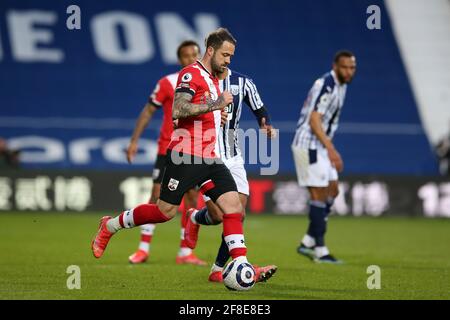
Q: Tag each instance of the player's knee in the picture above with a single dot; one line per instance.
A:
(318, 194)
(167, 209)
(191, 198)
(236, 208)
(169, 213)
(214, 212)
(333, 191)
(216, 219)
(233, 208)
(215, 215)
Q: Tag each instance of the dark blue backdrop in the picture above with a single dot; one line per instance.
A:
(283, 45)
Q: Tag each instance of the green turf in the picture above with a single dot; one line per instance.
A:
(36, 249)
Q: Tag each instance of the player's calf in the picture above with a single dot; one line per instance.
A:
(142, 214)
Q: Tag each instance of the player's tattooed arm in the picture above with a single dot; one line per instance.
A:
(183, 107)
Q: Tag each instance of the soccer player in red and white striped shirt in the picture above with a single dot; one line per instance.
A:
(191, 160)
(162, 98)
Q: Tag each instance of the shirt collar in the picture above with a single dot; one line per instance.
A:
(336, 81)
(204, 68)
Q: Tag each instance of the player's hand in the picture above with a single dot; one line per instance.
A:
(223, 117)
(335, 159)
(270, 131)
(225, 99)
(131, 151)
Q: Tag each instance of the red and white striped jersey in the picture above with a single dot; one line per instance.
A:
(162, 97)
(196, 135)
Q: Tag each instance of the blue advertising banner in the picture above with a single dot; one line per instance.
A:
(69, 97)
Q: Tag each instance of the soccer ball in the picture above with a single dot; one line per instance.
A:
(239, 275)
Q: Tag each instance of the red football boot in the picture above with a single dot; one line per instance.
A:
(191, 259)
(191, 230)
(139, 256)
(101, 239)
(262, 274)
(215, 276)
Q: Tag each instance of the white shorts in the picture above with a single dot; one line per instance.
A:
(237, 170)
(313, 167)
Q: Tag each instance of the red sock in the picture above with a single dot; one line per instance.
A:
(183, 217)
(233, 233)
(142, 214)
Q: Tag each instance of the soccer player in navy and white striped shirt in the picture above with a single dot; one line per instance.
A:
(317, 161)
(243, 91)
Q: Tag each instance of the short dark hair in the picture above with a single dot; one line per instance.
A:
(342, 53)
(216, 38)
(184, 44)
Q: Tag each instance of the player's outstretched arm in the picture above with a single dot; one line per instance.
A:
(315, 122)
(183, 107)
(253, 100)
(141, 123)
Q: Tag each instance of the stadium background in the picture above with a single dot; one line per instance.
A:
(69, 98)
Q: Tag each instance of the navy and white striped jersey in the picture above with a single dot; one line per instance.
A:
(326, 97)
(244, 91)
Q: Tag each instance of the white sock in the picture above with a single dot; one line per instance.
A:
(113, 225)
(309, 241)
(128, 220)
(216, 268)
(147, 230)
(193, 217)
(321, 251)
(242, 259)
(144, 246)
(182, 234)
(183, 252)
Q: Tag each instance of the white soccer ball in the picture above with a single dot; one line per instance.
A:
(239, 275)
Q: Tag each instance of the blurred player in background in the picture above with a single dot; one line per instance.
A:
(191, 159)
(162, 98)
(443, 153)
(8, 158)
(227, 145)
(317, 161)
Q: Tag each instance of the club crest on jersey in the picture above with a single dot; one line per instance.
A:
(186, 77)
(324, 98)
(173, 184)
(234, 89)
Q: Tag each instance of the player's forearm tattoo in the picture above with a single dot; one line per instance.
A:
(183, 107)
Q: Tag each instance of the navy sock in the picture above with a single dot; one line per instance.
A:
(202, 217)
(317, 225)
(223, 254)
(310, 231)
(329, 204)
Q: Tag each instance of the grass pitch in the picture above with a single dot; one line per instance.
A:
(37, 248)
